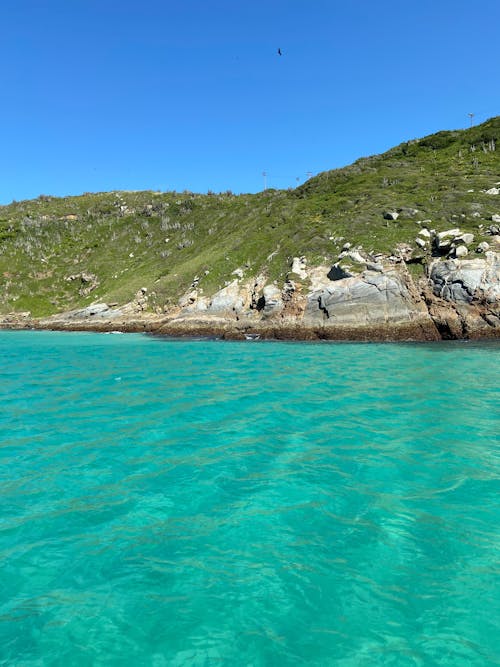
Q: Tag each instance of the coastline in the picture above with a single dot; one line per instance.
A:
(414, 331)
(457, 300)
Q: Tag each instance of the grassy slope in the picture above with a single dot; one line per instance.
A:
(211, 235)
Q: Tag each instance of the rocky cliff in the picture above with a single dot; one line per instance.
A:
(457, 298)
(402, 245)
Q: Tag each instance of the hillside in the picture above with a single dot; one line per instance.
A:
(58, 254)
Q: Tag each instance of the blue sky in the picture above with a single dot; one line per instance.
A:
(154, 94)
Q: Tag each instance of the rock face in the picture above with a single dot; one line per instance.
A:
(468, 297)
(459, 299)
(273, 301)
(372, 298)
(465, 281)
(227, 300)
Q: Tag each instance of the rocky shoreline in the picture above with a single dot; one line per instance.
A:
(457, 299)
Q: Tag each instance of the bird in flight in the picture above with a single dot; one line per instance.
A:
(279, 52)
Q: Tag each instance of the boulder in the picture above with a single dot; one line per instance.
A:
(375, 266)
(495, 218)
(356, 256)
(299, 267)
(338, 272)
(448, 234)
(403, 251)
(408, 212)
(228, 299)
(461, 251)
(273, 301)
(391, 215)
(359, 301)
(463, 281)
(188, 299)
(466, 239)
(493, 191)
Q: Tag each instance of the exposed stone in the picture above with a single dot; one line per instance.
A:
(462, 281)
(421, 242)
(356, 256)
(483, 247)
(461, 251)
(228, 299)
(493, 191)
(375, 266)
(466, 238)
(449, 233)
(94, 310)
(391, 215)
(188, 299)
(299, 267)
(408, 212)
(273, 302)
(495, 217)
(371, 299)
(89, 282)
(403, 251)
(338, 272)
(493, 230)
(425, 233)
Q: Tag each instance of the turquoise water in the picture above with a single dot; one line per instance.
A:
(209, 503)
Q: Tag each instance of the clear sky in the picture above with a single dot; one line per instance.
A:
(192, 94)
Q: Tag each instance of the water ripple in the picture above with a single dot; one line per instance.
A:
(204, 503)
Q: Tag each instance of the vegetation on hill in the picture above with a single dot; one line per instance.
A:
(61, 253)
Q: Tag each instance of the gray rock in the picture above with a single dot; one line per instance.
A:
(228, 299)
(391, 215)
(493, 191)
(95, 310)
(375, 298)
(466, 239)
(495, 218)
(299, 267)
(462, 281)
(483, 247)
(188, 299)
(408, 212)
(356, 256)
(338, 272)
(375, 266)
(273, 302)
(448, 234)
(461, 251)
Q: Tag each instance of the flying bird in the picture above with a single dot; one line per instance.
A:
(279, 52)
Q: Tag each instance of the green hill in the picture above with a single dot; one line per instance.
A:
(61, 253)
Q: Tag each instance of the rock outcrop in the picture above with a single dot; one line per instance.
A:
(468, 296)
(374, 299)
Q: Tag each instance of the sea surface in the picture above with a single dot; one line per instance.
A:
(201, 503)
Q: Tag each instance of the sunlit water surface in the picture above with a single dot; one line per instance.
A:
(209, 503)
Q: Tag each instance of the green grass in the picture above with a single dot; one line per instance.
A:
(121, 236)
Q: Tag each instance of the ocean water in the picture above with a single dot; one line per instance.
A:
(208, 503)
